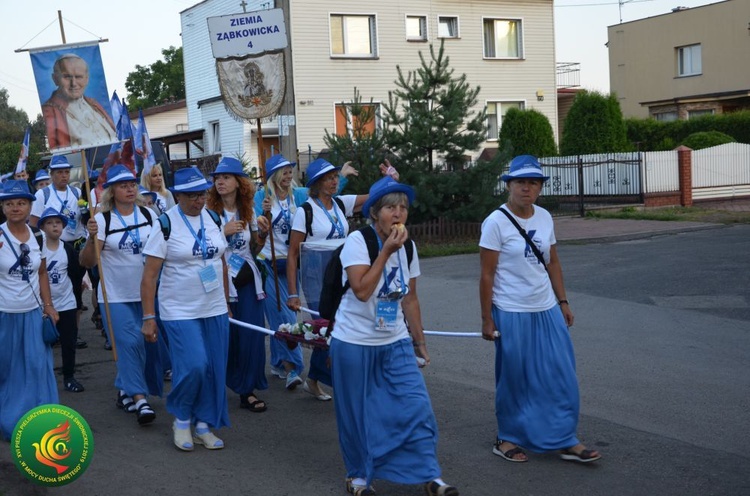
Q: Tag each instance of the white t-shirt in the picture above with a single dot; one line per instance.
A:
(60, 284)
(238, 244)
(282, 212)
(326, 225)
(163, 203)
(59, 200)
(16, 296)
(521, 283)
(355, 319)
(181, 292)
(122, 259)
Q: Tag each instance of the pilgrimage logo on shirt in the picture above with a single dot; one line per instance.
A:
(53, 273)
(127, 244)
(529, 253)
(211, 249)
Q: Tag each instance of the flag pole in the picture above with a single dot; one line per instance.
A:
(262, 169)
(108, 319)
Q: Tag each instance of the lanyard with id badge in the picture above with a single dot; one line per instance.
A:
(209, 277)
(235, 261)
(135, 233)
(386, 314)
(72, 222)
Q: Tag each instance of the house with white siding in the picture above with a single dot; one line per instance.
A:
(166, 120)
(505, 47)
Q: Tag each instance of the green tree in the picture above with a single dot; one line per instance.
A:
(363, 147)
(594, 125)
(431, 113)
(13, 123)
(527, 132)
(158, 83)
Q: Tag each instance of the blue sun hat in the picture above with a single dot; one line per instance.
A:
(143, 192)
(118, 174)
(526, 166)
(15, 189)
(275, 163)
(59, 162)
(189, 180)
(317, 169)
(384, 186)
(229, 165)
(41, 175)
(51, 213)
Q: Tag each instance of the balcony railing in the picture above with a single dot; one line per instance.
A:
(568, 74)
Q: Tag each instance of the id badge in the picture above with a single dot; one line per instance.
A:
(385, 316)
(136, 249)
(209, 278)
(235, 264)
(72, 224)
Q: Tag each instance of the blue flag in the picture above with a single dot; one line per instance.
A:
(24, 155)
(143, 144)
(116, 106)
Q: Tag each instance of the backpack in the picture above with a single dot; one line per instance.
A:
(48, 191)
(332, 290)
(309, 215)
(166, 224)
(108, 218)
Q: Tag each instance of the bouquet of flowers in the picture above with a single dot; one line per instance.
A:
(313, 333)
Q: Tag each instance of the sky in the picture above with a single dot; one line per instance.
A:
(139, 30)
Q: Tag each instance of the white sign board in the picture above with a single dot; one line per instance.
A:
(247, 33)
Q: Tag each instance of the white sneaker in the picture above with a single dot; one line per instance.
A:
(293, 380)
(280, 373)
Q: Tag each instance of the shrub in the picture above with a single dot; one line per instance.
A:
(594, 125)
(527, 132)
(706, 139)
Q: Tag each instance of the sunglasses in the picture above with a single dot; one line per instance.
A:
(24, 258)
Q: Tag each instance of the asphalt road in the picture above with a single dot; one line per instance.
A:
(662, 339)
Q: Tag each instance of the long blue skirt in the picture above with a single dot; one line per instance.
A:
(198, 349)
(387, 429)
(138, 365)
(27, 378)
(246, 365)
(280, 352)
(536, 398)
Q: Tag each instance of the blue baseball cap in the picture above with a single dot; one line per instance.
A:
(317, 169)
(50, 213)
(59, 162)
(385, 186)
(118, 174)
(526, 166)
(229, 165)
(275, 163)
(189, 180)
(15, 188)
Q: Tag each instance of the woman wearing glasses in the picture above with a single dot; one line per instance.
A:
(27, 378)
(193, 307)
(386, 426)
(121, 229)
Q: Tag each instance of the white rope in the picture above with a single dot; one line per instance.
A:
(251, 326)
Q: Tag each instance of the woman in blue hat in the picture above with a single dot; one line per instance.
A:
(121, 228)
(27, 378)
(41, 180)
(193, 305)
(522, 296)
(231, 196)
(386, 426)
(281, 198)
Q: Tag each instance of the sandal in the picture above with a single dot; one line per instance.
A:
(358, 490)
(208, 440)
(435, 489)
(125, 402)
(73, 385)
(146, 414)
(583, 456)
(256, 406)
(182, 438)
(510, 453)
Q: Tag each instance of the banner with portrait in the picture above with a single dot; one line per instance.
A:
(252, 87)
(73, 93)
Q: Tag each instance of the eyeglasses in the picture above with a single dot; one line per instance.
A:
(24, 258)
(195, 196)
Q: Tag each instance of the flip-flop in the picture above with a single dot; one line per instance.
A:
(585, 456)
(509, 454)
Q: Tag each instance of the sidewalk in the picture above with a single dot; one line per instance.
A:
(589, 229)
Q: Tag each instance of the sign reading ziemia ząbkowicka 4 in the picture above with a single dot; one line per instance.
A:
(247, 33)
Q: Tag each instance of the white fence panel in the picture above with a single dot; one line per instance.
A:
(723, 165)
(661, 172)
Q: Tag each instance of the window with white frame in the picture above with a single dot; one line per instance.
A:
(503, 39)
(693, 114)
(416, 28)
(215, 137)
(353, 36)
(495, 113)
(363, 120)
(447, 27)
(689, 60)
(666, 116)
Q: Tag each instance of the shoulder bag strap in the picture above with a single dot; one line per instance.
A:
(526, 237)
